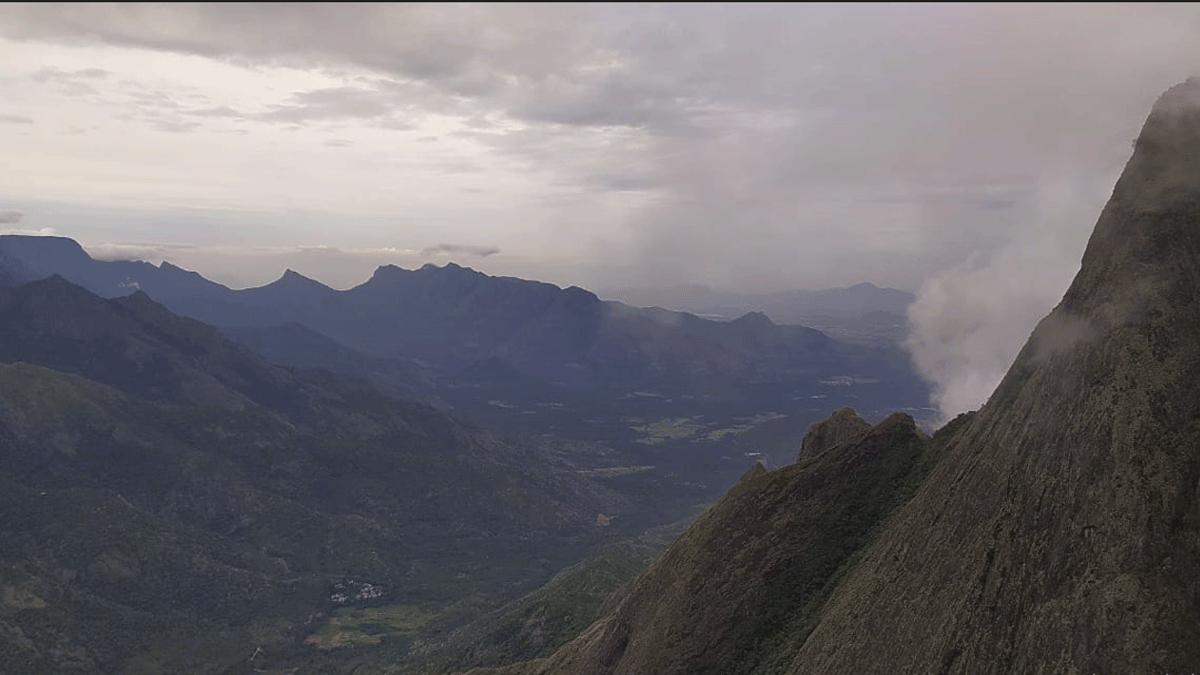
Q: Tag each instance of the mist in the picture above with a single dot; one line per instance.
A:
(969, 322)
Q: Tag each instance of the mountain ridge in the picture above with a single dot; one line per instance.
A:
(451, 316)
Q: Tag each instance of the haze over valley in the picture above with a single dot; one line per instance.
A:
(519, 339)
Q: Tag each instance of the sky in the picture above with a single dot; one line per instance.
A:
(959, 151)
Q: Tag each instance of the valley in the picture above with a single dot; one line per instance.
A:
(348, 506)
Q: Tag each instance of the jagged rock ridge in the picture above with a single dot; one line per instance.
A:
(844, 425)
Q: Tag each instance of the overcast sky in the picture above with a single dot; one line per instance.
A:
(751, 146)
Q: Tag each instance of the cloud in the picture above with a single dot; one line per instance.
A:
(380, 106)
(766, 145)
(16, 119)
(41, 232)
(70, 82)
(131, 251)
(969, 322)
(218, 111)
(11, 217)
(460, 249)
(174, 126)
(339, 103)
(50, 73)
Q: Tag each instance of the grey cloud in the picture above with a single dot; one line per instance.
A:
(16, 119)
(380, 106)
(175, 127)
(326, 103)
(460, 249)
(134, 251)
(514, 54)
(338, 143)
(767, 144)
(396, 124)
(11, 217)
(455, 166)
(218, 111)
(70, 82)
(969, 322)
(50, 73)
(153, 99)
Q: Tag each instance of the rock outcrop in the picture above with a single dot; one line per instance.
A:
(843, 426)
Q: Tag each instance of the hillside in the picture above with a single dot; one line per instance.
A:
(173, 502)
(1057, 530)
(742, 585)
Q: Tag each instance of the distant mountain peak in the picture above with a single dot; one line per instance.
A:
(448, 268)
(292, 278)
(428, 270)
(388, 271)
(754, 319)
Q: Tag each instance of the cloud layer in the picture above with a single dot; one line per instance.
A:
(757, 146)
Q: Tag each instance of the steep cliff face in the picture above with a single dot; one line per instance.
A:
(1062, 533)
(1057, 532)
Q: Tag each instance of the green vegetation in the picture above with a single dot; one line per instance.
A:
(153, 537)
(542, 621)
(694, 428)
(667, 429)
(351, 626)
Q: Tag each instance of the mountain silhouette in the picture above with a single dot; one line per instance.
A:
(450, 317)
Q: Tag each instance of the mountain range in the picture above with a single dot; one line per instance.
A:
(182, 494)
(862, 313)
(1057, 529)
(854, 301)
(519, 355)
(451, 317)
